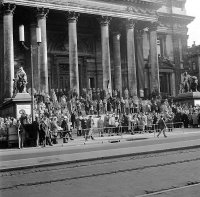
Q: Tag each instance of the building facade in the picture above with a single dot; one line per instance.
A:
(194, 60)
(106, 44)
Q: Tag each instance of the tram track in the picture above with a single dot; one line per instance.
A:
(93, 163)
(172, 189)
(98, 174)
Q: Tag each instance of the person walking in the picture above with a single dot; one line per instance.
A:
(90, 123)
(161, 126)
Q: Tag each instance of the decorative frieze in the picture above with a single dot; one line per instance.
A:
(109, 8)
(136, 9)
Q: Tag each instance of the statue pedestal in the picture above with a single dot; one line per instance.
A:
(12, 106)
(190, 98)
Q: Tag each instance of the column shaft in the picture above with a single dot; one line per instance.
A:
(1, 61)
(73, 52)
(132, 79)
(8, 50)
(41, 19)
(140, 58)
(173, 84)
(35, 53)
(155, 82)
(117, 62)
(198, 65)
(106, 55)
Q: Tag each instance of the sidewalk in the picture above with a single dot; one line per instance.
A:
(102, 147)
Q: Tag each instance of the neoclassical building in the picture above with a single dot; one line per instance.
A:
(194, 60)
(107, 44)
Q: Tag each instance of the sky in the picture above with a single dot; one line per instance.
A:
(193, 9)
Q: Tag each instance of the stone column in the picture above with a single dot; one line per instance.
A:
(177, 60)
(8, 10)
(1, 61)
(43, 68)
(132, 79)
(155, 82)
(173, 84)
(140, 61)
(35, 54)
(105, 49)
(117, 61)
(73, 51)
(198, 66)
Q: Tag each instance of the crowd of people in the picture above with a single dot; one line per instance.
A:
(61, 115)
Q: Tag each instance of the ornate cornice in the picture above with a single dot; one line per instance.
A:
(8, 8)
(176, 18)
(98, 7)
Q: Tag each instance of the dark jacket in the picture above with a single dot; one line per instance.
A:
(64, 125)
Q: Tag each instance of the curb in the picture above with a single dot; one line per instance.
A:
(97, 158)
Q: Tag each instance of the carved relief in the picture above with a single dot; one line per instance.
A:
(136, 9)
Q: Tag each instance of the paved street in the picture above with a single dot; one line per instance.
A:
(78, 150)
(144, 171)
(125, 176)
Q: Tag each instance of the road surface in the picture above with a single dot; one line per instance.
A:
(174, 173)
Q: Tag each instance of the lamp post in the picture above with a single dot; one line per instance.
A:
(31, 48)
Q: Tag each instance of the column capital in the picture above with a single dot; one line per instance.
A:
(116, 33)
(8, 8)
(140, 33)
(104, 20)
(153, 26)
(72, 16)
(42, 12)
(130, 24)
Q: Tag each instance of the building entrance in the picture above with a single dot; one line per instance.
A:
(60, 77)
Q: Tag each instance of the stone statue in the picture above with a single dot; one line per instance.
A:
(188, 83)
(193, 83)
(20, 81)
(185, 83)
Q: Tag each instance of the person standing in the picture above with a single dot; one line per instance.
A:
(65, 127)
(100, 125)
(21, 128)
(20, 133)
(46, 135)
(161, 126)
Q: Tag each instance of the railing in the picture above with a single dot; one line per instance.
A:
(120, 130)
